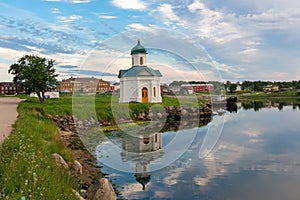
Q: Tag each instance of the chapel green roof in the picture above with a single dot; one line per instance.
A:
(138, 49)
(136, 70)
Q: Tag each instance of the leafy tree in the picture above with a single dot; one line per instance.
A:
(197, 82)
(177, 83)
(34, 74)
(232, 87)
(279, 85)
(297, 85)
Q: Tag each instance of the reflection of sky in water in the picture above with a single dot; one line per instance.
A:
(256, 157)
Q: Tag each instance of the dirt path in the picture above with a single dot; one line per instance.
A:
(8, 115)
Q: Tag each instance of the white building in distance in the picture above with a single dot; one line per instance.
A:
(140, 83)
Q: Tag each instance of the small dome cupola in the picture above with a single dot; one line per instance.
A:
(138, 54)
(138, 49)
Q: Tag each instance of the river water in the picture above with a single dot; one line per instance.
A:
(256, 155)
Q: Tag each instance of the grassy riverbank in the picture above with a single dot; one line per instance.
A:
(102, 105)
(283, 94)
(26, 167)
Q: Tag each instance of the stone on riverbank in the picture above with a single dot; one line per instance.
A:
(101, 190)
(76, 167)
(59, 160)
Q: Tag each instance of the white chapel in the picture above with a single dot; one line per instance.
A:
(140, 83)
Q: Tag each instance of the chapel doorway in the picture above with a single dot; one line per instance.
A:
(144, 95)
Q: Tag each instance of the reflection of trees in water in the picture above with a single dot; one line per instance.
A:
(257, 105)
(184, 124)
(296, 106)
(232, 107)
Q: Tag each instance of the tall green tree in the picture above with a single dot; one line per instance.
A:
(232, 87)
(34, 74)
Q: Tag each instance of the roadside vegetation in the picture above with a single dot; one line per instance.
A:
(26, 167)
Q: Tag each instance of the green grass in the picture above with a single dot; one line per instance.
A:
(103, 106)
(26, 167)
(286, 94)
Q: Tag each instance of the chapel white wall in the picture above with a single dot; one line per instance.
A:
(131, 89)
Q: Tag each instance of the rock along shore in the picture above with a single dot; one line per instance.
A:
(91, 177)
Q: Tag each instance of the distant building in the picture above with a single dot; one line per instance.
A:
(198, 87)
(84, 85)
(164, 88)
(116, 86)
(8, 88)
(174, 89)
(238, 88)
(139, 83)
(270, 88)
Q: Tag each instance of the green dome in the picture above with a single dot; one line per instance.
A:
(138, 49)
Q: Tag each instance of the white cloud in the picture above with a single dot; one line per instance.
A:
(196, 6)
(71, 1)
(72, 18)
(201, 181)
(130, 4)
(7, 58)
(163, 194)
(55, 10)
(168, 14)
(275, 75)
(238, 41)
(173, 177)
(107, 17)
(183, 75)
(140, 28)
(272, 19)
(129, 190)
(213, 24)
(34, 49)
(11, 56)
(206, 23)
(252, 40)
(68, 59)
(228, 32)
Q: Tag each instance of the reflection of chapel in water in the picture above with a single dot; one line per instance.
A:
(142, 149)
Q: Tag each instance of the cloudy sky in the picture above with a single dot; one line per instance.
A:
(220, 40)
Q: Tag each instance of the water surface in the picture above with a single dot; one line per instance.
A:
(256, 157)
